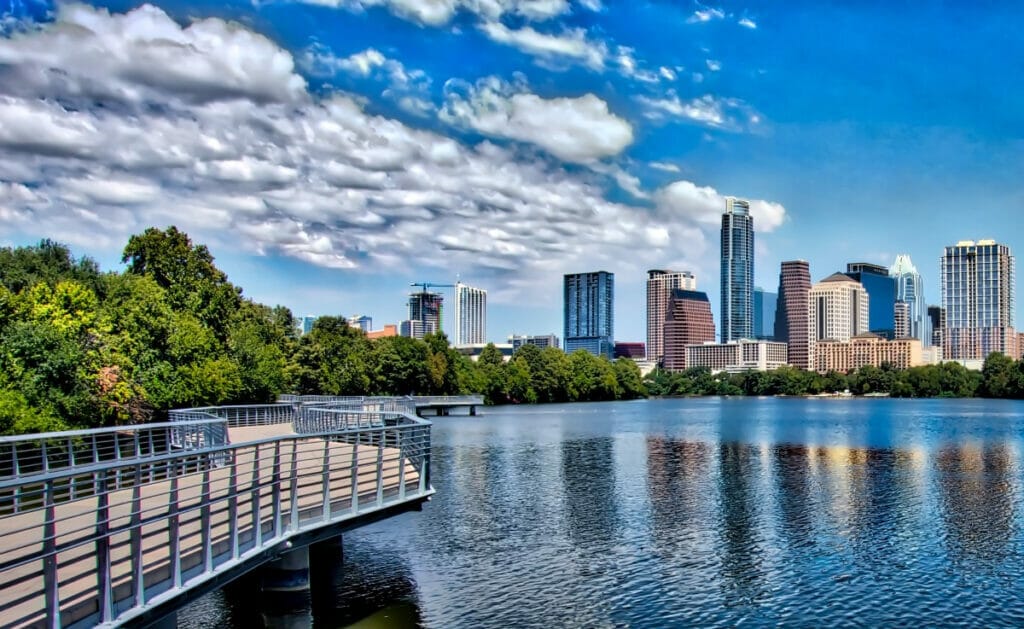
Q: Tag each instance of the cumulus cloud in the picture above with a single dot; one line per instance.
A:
(574, 129)
(570, 45)
(704, 205)
(705, 15)
(268, 168)
(714, 65)
(440, 12)
(409, 88)
(730, 114)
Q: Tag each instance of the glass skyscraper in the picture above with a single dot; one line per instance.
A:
(737, 271)
(589, 306)
(470, 315)
(882, 293)
(765, 304)
(910, 290)
(978, 300)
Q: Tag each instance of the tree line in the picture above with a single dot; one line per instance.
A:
(81, 348)
(1000, 377)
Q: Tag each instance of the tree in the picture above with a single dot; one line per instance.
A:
(999, 377)
(627, 376)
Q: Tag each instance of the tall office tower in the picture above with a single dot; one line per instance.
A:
(901, 320)
(838, 310)
(660, 285)
(936, 321)
(791, 311)
(765, 304)
(978, 299)
(470, 315)
(306, 324)
(737, 271)
(688, 321)
(589, 308)
(881, 288)
(910, 289)
(426, 308)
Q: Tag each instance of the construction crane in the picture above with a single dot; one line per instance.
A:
(425, 285)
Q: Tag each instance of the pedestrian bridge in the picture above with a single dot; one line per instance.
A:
(123, 525)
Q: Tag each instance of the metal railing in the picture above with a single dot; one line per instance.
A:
(463, 400)
(163, 520)
(238, 416)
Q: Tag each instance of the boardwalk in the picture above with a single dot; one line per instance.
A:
(150, 528)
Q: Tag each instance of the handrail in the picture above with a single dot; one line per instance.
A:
(141, 530)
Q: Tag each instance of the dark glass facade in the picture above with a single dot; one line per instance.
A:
(737, 271)
(765, 304)
(589, 300)
(881, 289)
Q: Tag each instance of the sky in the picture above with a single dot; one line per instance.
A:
(332, 152)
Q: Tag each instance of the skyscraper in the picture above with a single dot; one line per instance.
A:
(765, 304)
(660, 285)
(688, 321)
(791, 326)
(978, 300)
(737, 271)
(425, 310)
(362, 322)
(470, 315)
(902, 320)
(881, 290)
(837, 311)
(936, 321)
(910, 289)
(589, 312)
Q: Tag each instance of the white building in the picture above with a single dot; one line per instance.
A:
(837, 311)
(470, 315)
(737, 356)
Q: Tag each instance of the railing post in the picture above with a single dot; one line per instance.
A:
(173, 530)
(233, 508)
(293, 488)
(256, 491)
(276, 490)
(105, 589)
(380, 467)
(400, 442)
(354, 497)
(50, 583)
(205, 515)
(138, 586)
(326, 480)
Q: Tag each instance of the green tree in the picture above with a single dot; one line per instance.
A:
(999, 377)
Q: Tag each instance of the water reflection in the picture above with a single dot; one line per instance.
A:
(698, 513)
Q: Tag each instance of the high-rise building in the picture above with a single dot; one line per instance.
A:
(305, 324)
(470, 315)
(978, 300)
(737, 271)
(589, 312)
(765, 304)
(362, 322)
(881, 288)
(936, 321)
(901, 320)
(791, 326)
(425, 309)
(910, 290)
(660, 284)
(837, 311)
(688, 322)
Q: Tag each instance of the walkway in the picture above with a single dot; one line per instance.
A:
(113, 525)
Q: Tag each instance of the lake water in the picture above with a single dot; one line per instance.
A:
(709, 512)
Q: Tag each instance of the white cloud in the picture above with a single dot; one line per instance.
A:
(748, 23)
(705, 15)
(704, 205)
(408, 88)
(667, 73)
(569, 45)
(629, 67)
(722, 113)
(574, 129)
(271, 169)
(714, 65)
(441, 12)
(665, 166)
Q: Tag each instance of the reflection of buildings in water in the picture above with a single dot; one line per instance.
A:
(976, 496)
(678, 479)
(793, 493)
(588, 483)
(743, 546)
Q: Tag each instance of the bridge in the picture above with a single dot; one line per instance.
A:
(123, 525)
(443, 404)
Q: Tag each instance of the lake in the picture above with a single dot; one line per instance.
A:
(706, 511)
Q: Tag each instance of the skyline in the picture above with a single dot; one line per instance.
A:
(331, 155)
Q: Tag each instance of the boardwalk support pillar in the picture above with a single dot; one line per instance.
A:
(472, 410)
(289, 573)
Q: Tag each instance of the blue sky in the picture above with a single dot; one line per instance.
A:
(331, 152)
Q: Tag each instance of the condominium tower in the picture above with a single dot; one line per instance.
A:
(765, 304)
(910, 290)
(660, 285)
(881, 290)
(837, 311)
(687, 322)
(977, 300)
(791, 311)
(589, 306)
(425, 311)
(737, 271)
(470, 315)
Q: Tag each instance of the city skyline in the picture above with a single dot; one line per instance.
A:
(331, 155)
